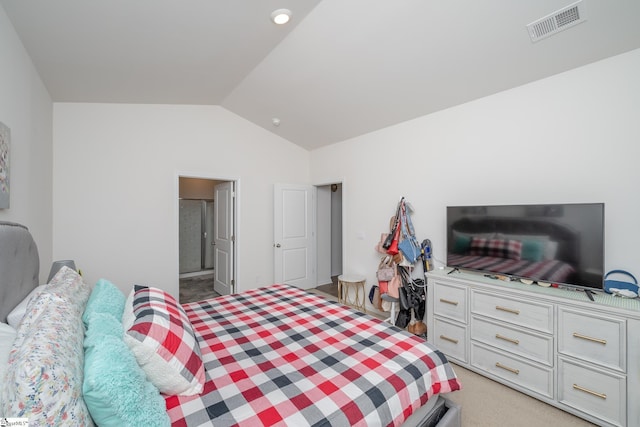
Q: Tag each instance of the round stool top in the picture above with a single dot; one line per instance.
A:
(352, 278)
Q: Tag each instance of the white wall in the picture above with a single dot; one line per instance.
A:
(26, 108)
(116, 171)
(573, 137)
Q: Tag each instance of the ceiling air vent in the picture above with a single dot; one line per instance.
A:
(557, 21)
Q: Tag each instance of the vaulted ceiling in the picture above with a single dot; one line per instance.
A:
(338, 69)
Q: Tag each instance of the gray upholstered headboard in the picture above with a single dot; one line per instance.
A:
(19, 266)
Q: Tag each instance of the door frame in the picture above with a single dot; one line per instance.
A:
(343, 184)
(235, 216)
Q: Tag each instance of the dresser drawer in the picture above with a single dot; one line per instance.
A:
(534, 377)
(589, 336)
(531, 314)
(593, 391)
(534, 346)
(451, 339)
(450, 301)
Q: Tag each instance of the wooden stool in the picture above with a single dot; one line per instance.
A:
(348, 282)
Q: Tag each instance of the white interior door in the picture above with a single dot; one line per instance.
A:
(223, 238)
(294, 235)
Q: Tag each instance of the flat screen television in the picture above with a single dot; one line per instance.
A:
(560, 244)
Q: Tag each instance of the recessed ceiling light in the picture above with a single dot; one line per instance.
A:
(281, 16)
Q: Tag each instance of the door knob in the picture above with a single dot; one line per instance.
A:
(276, 245)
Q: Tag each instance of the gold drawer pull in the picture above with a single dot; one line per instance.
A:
(506, 368)
(508, 310)
(446, 301)
(511, 340)
(594, 393)
(446, 338)
(585, 337)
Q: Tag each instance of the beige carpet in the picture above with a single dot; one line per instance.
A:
(486, 403)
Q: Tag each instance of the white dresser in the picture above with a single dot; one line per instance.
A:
(553, 344)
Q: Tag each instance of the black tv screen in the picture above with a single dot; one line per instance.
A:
(559, 244)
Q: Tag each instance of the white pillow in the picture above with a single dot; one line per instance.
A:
(160, 336)
(550, 250)
(15, 317)
(7, 335)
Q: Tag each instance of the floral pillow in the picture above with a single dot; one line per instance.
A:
(7, 335)
(160, 335)
(45, 372)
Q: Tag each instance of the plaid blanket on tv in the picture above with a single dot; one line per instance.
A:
(282, 356)
(547, 270)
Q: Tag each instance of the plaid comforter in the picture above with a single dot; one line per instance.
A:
(282, 356)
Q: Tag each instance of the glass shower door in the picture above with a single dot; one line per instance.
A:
(196, 233)
(208, 237)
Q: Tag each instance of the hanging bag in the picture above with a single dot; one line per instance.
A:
(380, 246)
(374, 297)
(393, 248)
(383, 286)
(391, 236)
(409, 244)
(404, 299)
(386, 269)
(618, 284)
(394, 287)
(415, 292)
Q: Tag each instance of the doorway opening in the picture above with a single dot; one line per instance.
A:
(206, 229)
(329, 240)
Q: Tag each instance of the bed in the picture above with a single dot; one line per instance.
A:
(515, 247)
(277, 355)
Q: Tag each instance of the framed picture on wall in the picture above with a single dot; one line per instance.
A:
(5, 143)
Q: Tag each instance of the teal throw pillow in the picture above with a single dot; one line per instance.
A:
(533, 250)
(105, 298)
(115, 389)
(461, 244)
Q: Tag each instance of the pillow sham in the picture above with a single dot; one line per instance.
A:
(462, 241)
(550, 250)
(43, 381)
(7, 335)
(69, 285)
(161, 338)
(15, 317)
(105, 298)
(115, 388)
(550, 246)
(100, 325)
(510, 249)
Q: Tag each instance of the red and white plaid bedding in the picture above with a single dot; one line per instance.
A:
(282, 356)
(548, 270)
